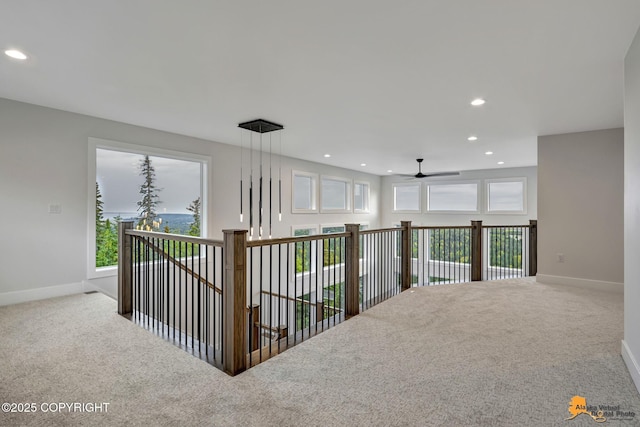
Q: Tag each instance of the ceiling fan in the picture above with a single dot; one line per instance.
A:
(428, 175)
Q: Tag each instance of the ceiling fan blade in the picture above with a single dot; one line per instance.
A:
(441, 174)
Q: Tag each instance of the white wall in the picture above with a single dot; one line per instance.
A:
(580, 208)
(631, 342)
(389, 217)
(43, 161)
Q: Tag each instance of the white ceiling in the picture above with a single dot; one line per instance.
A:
(379, 82)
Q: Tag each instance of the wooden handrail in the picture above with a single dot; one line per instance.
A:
(380, 230)
(177, 263)
(177, 237)
(296, 239)
(506, 226)
(444, 227)
(287, 297)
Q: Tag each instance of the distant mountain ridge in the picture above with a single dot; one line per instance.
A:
(177, 222)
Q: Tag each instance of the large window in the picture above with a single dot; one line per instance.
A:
(361, 197)
(304, 192)
(335, 195)
(157, 189)
(458, 197)
(406, 197)
(506, 195)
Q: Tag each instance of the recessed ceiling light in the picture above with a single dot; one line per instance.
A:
(363, 164)
(389, 171)
(477, 102)
(501, 163)
(327, 155)
(15, 54)
(472, 138)
(488, 153)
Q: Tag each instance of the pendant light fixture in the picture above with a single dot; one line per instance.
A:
(260, 127)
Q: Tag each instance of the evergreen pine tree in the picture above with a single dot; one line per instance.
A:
(194, 228)
(147, 206)
(100, 224)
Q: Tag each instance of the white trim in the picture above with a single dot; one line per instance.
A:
(395, 185)
(17, 297)
(632, 364)
(348, 183)
(105, 144)
(479, 195)
(367, 208)
(488, 182)
(596, 285)
(314, 191)
(334, 225)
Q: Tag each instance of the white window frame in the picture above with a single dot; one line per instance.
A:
(323, 226)
(488, 183)
(347, 196)
(407, 184)
(97, 143)
(366, 198)
(444, 183)
(314, 191)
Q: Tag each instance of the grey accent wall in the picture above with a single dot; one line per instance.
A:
(631, 343)
(580, 206)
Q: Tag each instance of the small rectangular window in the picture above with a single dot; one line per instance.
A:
(406, 197)
(506, 195)
(304, 192)
(335, 195)
(458, 197)
(361, 197)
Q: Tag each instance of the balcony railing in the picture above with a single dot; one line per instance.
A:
(236, 302)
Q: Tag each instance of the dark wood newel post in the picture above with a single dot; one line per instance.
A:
(234, 302)
(533, 247)
(405, 255)
(352, 259)
(125, 288)
(476, 250)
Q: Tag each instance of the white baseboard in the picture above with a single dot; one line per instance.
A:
(632, 364)
(16, 297)
(102, 287)
(595, 285)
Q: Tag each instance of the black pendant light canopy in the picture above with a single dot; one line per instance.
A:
(260, 126)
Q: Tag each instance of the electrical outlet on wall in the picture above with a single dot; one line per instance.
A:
(561, 258)
(55, 208)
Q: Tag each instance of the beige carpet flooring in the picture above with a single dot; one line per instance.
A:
(504, 353)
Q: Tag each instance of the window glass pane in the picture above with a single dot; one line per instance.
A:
(302, 192)
(506, 196)
(158, 193)
(453, 197)
(334, 229)
(305, 252)
(334, 194)
(360, 197)
(407, 198)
